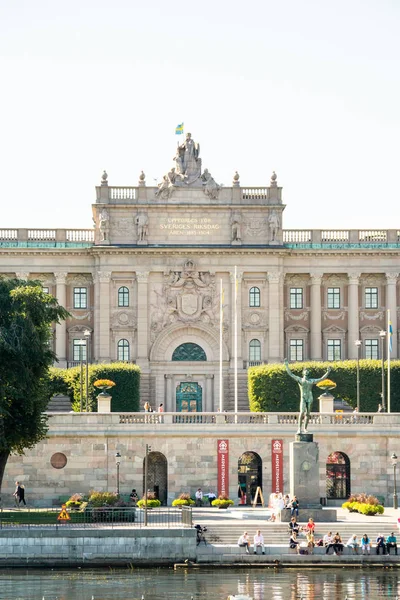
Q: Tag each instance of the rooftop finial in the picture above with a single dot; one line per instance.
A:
(142, 178)
(236, 179)
(274, 183)
(104, 178)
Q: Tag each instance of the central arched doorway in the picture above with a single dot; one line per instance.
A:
(249, 476)
(157, 476)
(338, 476)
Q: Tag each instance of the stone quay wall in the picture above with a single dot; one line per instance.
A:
(67, 547)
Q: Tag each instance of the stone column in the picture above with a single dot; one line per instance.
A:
(209, 404)
(170, 405)
(104, 278)
(142, 318)
(353, 316)
(275, 349)
(315, 327)
(61, 328)
(239, 320)
(391, 304)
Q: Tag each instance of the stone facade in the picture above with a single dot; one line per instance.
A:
(185, 450)
(147, 280)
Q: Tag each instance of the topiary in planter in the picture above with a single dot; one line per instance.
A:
(183, 500)
(150, 503)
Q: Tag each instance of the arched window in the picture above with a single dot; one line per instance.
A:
(254, 297)
(123, 296)
(255, 351)
(123, 350)
(338, 476)
(189, 351)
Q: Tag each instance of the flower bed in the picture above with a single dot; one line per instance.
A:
(364, 504)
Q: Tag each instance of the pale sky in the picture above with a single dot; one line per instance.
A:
(309, 89)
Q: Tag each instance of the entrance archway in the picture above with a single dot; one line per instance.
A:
(189, 397)
(157, 476)
(338, 476)
(249, 476)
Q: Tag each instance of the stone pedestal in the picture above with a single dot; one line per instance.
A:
(304, 480)
(326, 403)
(304, 472)
(104, 403)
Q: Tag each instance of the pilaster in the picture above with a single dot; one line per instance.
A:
(238, 333)
(391, 304)
(103, 280)
(61, 328)
(353, 315)
(315, 317)
(275, 349)
(142, 278)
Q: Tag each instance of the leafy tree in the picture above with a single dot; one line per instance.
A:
(26, 314)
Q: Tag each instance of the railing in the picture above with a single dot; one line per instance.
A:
(254, 193)
(334, 236)
(231, 418)
(8, 234)
(296, 236)
(80, 235)
(122, 193)
(253, 363)
(372, 236)
(90, 518)
(44, 235)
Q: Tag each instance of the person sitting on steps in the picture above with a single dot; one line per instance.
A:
(244, 542)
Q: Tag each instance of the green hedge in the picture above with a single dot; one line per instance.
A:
(125, 395)
(272, 390)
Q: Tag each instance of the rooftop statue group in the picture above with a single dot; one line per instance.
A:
(306, 398)
(187, 172)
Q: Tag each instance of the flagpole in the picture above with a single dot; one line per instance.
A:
(389, 349)
(221, 403)
(236, 347)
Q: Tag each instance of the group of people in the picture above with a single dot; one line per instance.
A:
(148, 408)
(19, 494)
(258, 542)
(199, 497)
(307, 545)
(278, 502)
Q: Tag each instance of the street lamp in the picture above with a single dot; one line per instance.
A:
(394, 463)
(81, 343)
(118, 462)
(382, 335)
(146, 472)
(87, 335)
(358, 344)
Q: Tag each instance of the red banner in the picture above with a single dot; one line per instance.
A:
(223, 467)
(277, 466)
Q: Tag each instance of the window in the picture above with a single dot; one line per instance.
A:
(254, 297)
(123, 296)
(255, 351)
(123, 350)
(46, 290)
(372, 349)
(80, 297)
(334, 349)
(79, 346)
(371, 297)
(296, 350)
(296, 297)
(333, 297)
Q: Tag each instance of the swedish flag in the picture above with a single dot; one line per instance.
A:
(179, 129)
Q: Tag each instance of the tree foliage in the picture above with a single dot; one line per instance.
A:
(26, 316)
(272, 390)
(125, 394)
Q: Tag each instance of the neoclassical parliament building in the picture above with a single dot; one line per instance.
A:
(145, 283)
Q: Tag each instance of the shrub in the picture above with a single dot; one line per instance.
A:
(272, 390)
(363, 504)
(151, 503)
(183, 500)
(99, 499)
(125, 395)
(222, 501)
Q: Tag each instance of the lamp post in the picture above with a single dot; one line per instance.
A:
(146, 472)
(394, 463)
(358, 344)
(81, 343)
(87, 335)
(118, 462)
(382, 335)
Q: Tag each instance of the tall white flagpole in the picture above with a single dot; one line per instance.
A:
(388, 359)
(236, 346)
(221, 385)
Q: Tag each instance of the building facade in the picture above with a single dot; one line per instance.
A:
(145, 284)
